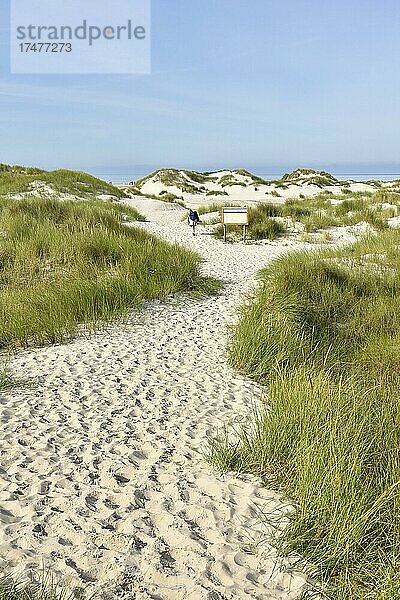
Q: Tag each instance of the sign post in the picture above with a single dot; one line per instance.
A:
(235, 215)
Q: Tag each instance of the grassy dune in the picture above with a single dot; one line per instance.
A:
(67, 263)
(269, 221)
(24, 180)
(261, 225)
(320, 212)
(44, 589)
(63, 263)
(323, 334)
(163, 196)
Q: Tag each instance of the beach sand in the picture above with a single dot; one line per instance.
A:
(103, 478)
(246, 191)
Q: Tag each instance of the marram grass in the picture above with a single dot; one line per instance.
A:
(321, 212)
(24, 180)
(66, 263)
(48, 588)
(43, 585)
(323, 335)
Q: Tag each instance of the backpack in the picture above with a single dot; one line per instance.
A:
(193, 216)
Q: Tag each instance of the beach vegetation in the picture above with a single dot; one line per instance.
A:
(262, 225)
(170, 198)
(184, 180)
(164, 196)
(317, 213)
(45, 588)
(255, 178)
(229, 180)
(217, 193)
(65, 264)
(209, 208)
(322, 336)
(28, 180)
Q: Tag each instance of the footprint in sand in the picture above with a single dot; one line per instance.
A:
(103, 457)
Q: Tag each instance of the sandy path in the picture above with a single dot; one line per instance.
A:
(102, 475)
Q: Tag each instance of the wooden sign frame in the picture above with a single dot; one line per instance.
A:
(239, 216)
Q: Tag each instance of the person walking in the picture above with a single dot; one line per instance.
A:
(193, 219)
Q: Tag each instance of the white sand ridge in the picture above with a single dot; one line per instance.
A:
(102, 474)
(238, 185)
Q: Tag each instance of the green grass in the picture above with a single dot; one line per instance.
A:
(65, 263)
(268, 229)
(316, 238)
(186, 179)
(170, 198)
(216, 193)
(319, 178)
(319, 220)
(264, 210)
(164, 196)
(7, 382)
(319, 181)
(206, 210)
(255, 178)
(320, 213)
(17, 180)
(229, 180)
(197, 176)
(316, 213)
(20, 169)
(261, 226)
(387, 196)
(174, 177)
(209, 208)
(323, 335)
(353, 204)
(47, 588)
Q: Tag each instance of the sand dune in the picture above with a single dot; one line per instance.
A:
(239, 186)
(102, 472)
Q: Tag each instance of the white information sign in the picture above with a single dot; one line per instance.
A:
(235, 215)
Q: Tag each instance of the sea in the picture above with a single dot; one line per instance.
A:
(359, 173)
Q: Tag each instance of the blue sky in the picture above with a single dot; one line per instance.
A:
(233, 83)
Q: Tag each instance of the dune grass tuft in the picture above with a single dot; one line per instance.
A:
(28, 180)
(65, 263)
(262, 224)
(323, 335)
(45, 588)
(320, 212)
(269, 221)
